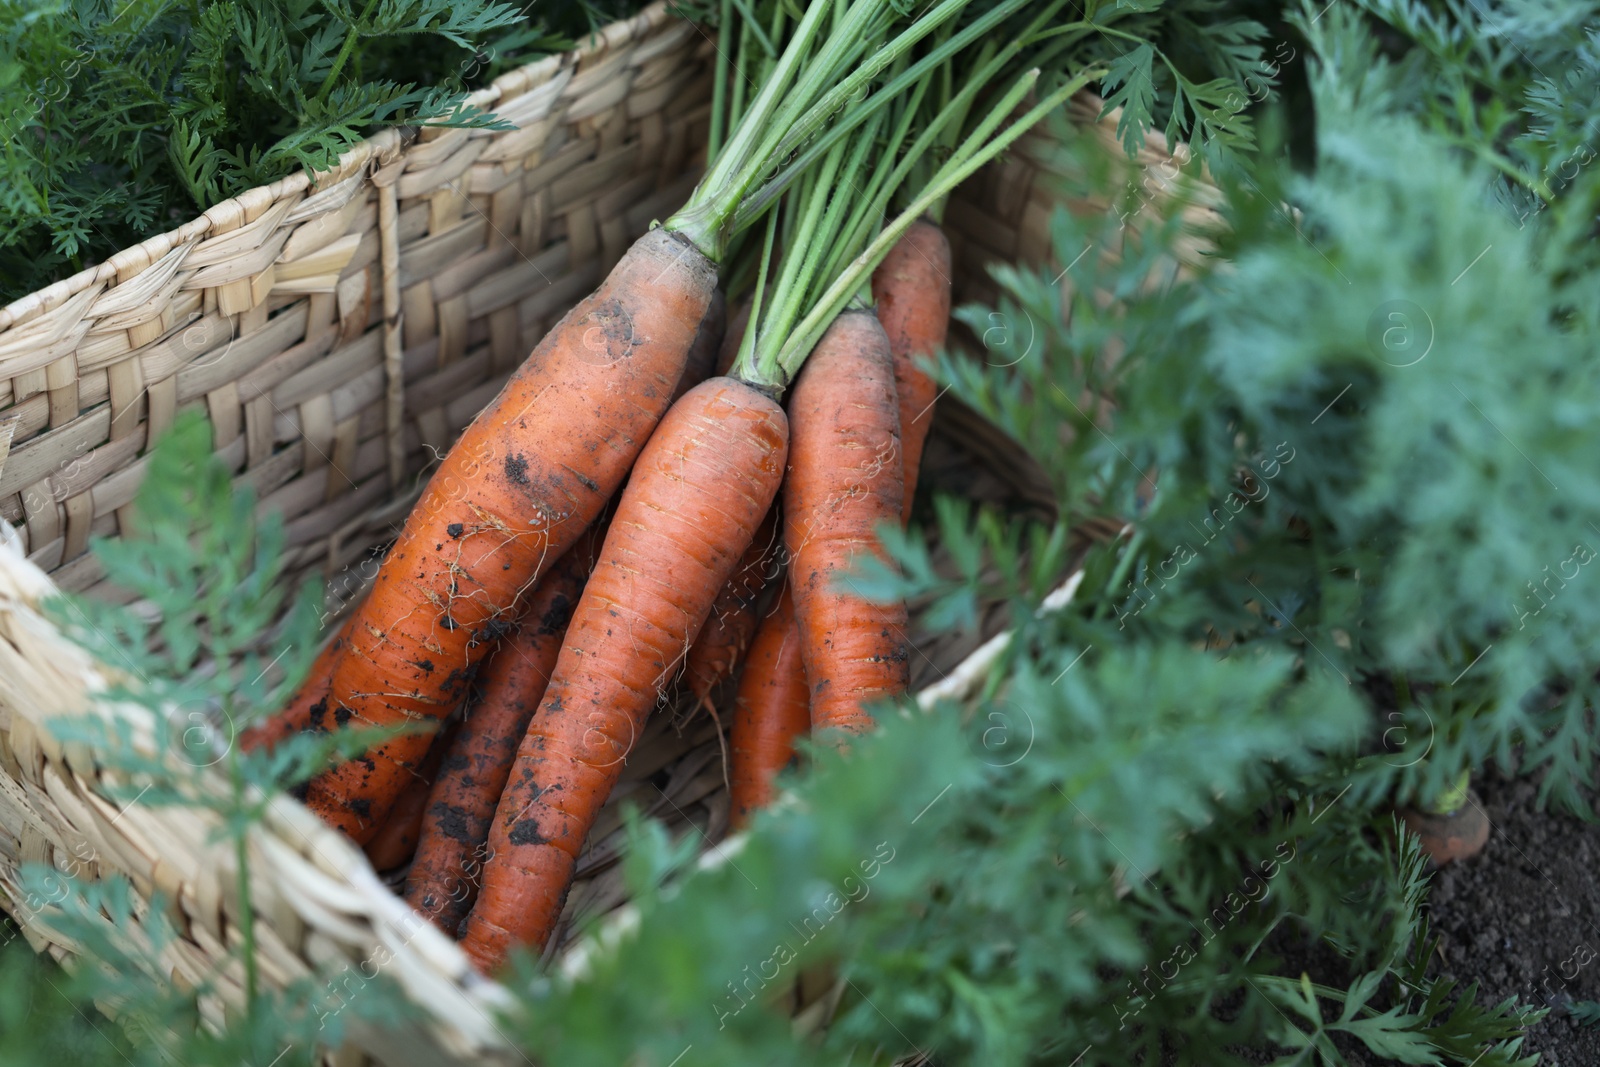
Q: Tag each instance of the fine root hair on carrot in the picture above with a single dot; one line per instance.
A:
(720, 646)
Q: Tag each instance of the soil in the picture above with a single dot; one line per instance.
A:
(1522, 919)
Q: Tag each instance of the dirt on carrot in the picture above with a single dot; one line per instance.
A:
(519, 487)
(702, 359)
(845, 478)
(691, 508)
(443, 882)
(396, 840)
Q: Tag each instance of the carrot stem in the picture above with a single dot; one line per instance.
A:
(869, 208)
(1453, 798)
(748, 341)
(803, 130)
(719, 83)
(819, 253)
(703, 218)
(792, 106)
(737, 84)
(748, 20)
(352, 35)
(973, 154)
(818, 219)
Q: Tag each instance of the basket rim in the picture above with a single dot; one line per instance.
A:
(236, 210)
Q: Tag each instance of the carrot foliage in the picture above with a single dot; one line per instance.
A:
(120, 119)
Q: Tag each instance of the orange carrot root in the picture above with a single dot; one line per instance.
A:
(732, 622)
(912, 290)
(443, 882)
(772, 709)
(525, 479)
(297, 715)
(690, 509)
(845, 477)
(396, 840)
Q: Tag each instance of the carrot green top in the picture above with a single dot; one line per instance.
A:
(814, 96)
(837, 180)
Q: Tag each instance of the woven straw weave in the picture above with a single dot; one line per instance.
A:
(1003, 214)
(339, 331)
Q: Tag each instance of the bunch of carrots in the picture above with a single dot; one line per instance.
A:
(759, 458)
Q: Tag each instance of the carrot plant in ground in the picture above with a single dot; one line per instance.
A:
(1369, 448)
(191, 668)
(1408, 369)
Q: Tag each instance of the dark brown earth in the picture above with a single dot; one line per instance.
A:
(1523, 917)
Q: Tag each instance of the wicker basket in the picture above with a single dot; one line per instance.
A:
(339, 331)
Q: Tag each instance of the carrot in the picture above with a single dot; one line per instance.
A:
(702, 359)
(773, 707)
(518, 488)
(396, 840)
(732, 622)
(690, 509)
(443, 880)
(845, 477)
(298, 714)
(912, 290)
